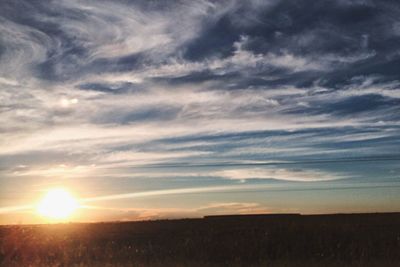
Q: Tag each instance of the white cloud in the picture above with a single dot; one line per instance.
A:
(11, 82)
(23, 46)
(94, 133)
(242, 60)
(300, 175)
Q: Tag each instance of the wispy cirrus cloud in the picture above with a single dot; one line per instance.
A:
(111, 85)
(278, 174)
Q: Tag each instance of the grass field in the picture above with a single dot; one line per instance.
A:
(263, 240)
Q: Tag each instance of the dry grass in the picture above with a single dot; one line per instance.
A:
(329, 241)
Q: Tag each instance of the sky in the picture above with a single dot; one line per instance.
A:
(170, 109)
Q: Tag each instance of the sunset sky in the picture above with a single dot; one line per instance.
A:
(166, 109)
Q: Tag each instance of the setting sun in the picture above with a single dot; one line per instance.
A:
(57, 204)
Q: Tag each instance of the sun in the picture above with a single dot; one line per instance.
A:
(57, 204)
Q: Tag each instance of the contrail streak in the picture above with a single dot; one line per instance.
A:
(237, 188)
(178, 191)
(220, 189)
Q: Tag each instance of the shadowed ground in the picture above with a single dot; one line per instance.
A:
(261, 240)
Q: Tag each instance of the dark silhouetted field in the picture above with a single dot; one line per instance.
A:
(277, 240)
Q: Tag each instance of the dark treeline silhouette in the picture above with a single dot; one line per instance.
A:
(237, 240)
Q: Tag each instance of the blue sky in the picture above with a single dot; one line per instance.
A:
(154, 109)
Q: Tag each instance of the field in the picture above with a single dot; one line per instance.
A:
(257, 240)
